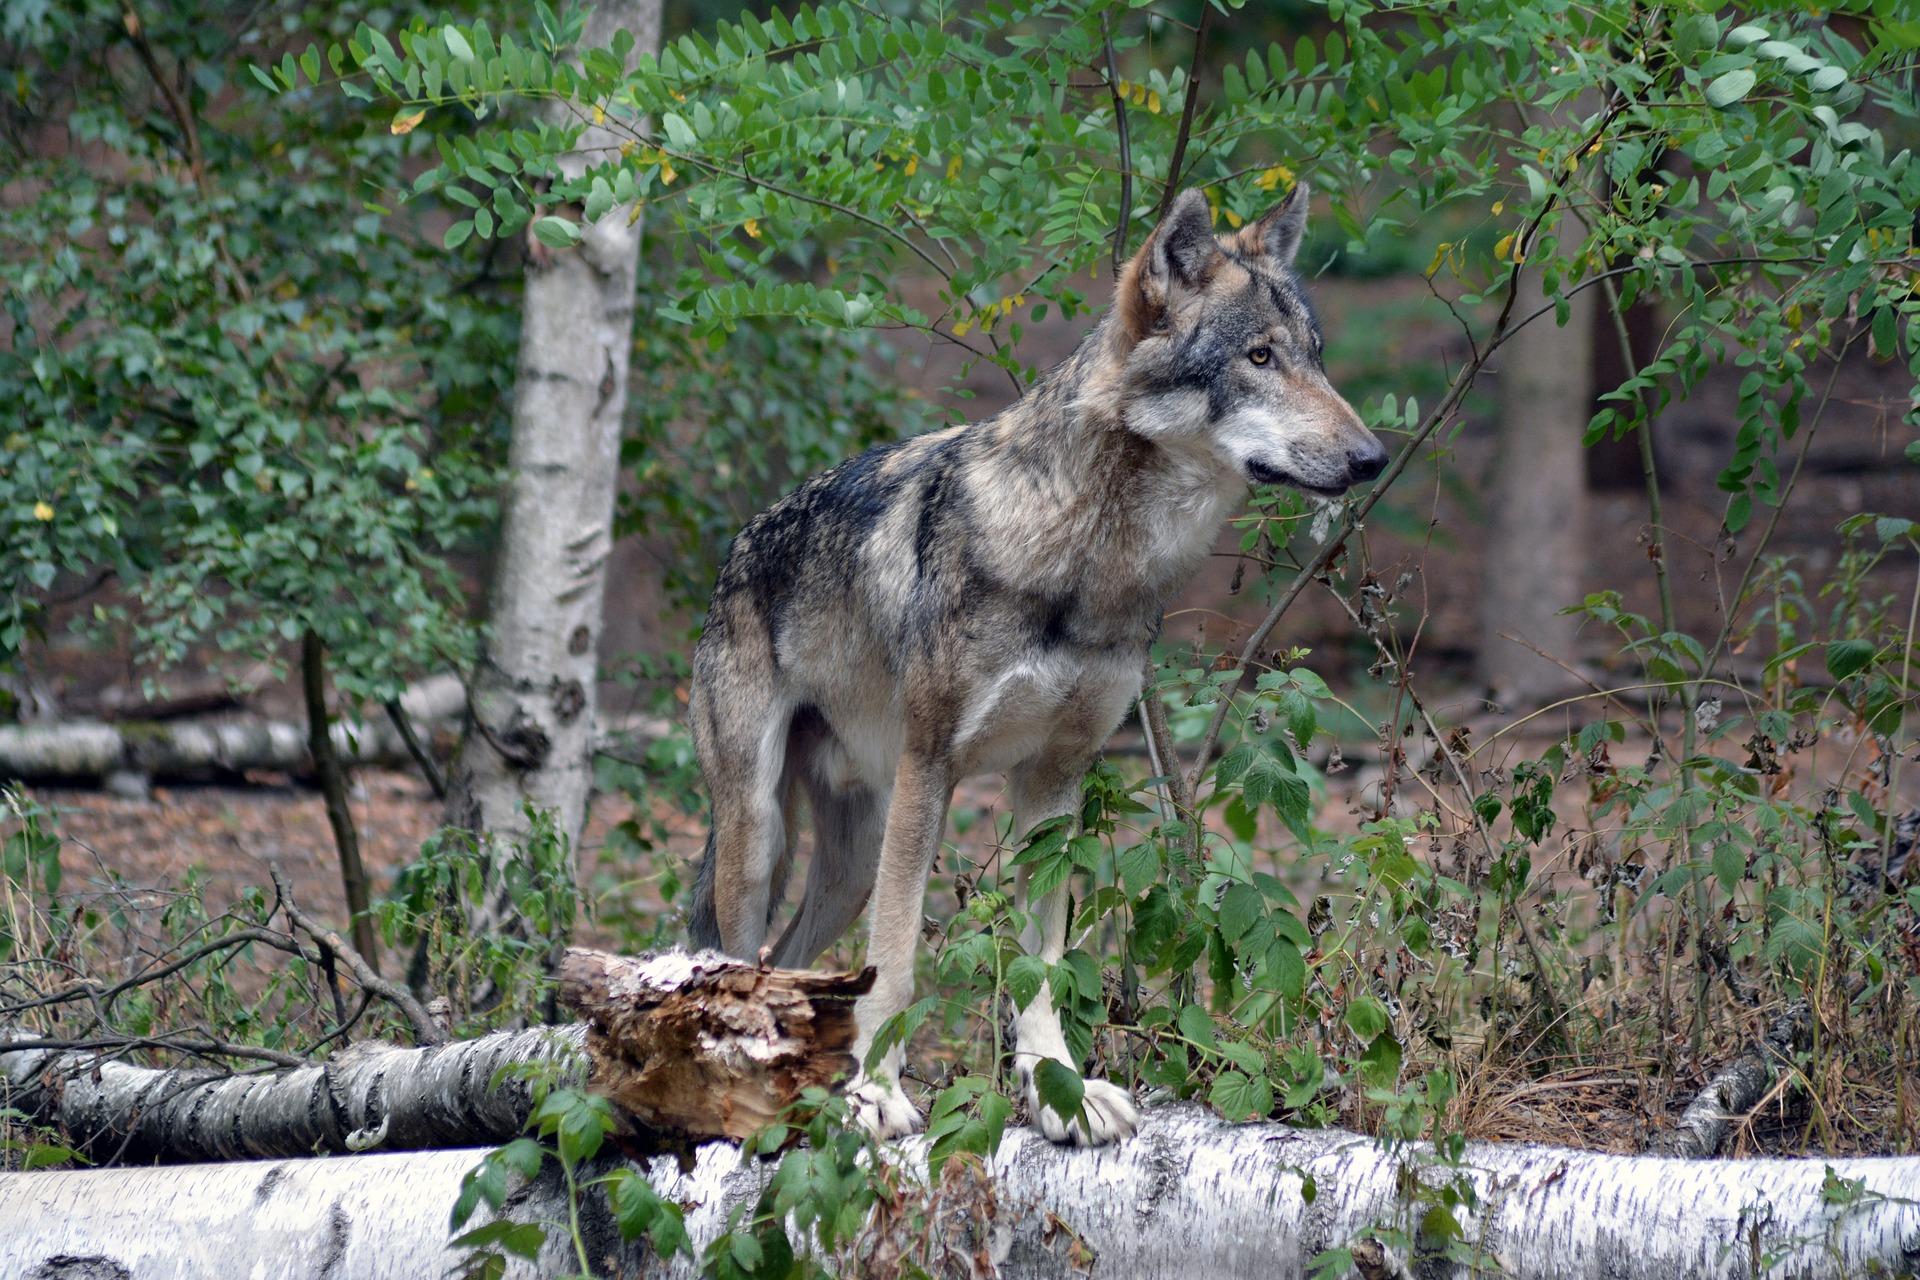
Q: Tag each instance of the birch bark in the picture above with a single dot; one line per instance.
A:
(530, 739)
(688, 1045)
(1188, 1196)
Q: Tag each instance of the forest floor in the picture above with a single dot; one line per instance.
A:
(219, 838)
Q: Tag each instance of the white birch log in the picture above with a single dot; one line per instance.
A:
(89, 750)
(368, 1096)
(185, 748)
(1189, 1196)
(687, 1044)
(1734, 1090)
(531, 741)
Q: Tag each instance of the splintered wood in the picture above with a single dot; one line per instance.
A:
(699, 1045)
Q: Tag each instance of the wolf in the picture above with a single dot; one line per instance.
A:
(981, 599)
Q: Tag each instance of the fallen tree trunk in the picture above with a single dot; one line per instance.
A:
(692, 1046)
(221, 744)
(1734, 1090)
(1189, 1195)
(368, 1096)
(91, 750)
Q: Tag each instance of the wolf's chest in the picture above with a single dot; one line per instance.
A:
(1059, 701)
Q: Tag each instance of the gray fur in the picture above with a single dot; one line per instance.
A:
(981, 599)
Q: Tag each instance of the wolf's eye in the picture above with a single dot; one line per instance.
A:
(1260, 355)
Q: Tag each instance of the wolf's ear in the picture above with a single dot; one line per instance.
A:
(1276, 235)
(1179, 257)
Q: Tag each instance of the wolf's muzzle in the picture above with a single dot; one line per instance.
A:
(1363, 463)
(1366, 462)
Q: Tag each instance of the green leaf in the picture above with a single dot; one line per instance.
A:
(1731, 87)
(1046, 840)
(43, 1157)
(1367, 1017)
(1826, 79)
(1271, 781)
(1239, 908)
(556, 233)
(1885, 333)
(1739, 511)
(1694, 33)
(1060, 1087)
(1195, 1025)
(523, 1155)
(1138, 866)
(458, 233)
(1237, 1096)
(1233, 764)
(1289, 968)
(1729, 866)
(1244, 1056)
(1380, 1064)
(1848, 658)
(1025, 976)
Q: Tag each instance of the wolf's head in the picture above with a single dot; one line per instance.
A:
(1222, 352)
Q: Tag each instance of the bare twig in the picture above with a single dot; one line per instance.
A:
(1126, 151)
(425, 1030)
(333, 786)
(176, 105)
(86, 989)
(202, 1046)
(403, 724)
(1186, 113)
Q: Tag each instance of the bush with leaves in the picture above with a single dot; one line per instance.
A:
(249, 394)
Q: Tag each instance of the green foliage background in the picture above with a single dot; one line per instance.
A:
(235, 377)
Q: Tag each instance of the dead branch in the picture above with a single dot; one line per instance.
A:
(1735, 1089)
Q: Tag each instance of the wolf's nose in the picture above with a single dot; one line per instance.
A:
(1367, 462)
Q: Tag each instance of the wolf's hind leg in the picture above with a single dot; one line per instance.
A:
(743, 757)
(848, 825)
(1042, 790)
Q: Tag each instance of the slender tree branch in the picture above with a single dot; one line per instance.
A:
(1357, 512)
(202, 1046)
(1186, 112)
(176, 105)
(333, 786)
(425, 1030)
(1125, 218)
(403, 723)
(105, 996)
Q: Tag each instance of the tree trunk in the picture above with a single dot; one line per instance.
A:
(530, 741)
(1735, 1089)
(1536, 503)
(690, 1046)
(221, 744)
(1188, 1196)
(229, 743)
(333, 786)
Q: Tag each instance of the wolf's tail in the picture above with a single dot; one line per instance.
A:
(703, 926)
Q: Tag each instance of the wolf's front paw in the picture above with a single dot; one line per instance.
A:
(1108, 1110)
(881, 1108)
